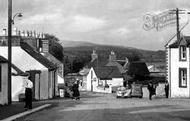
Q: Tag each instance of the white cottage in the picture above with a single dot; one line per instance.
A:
(178, 65)
(103, 79)
(27, 59)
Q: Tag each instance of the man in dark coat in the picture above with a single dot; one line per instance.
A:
(166, 89)
(151, 90)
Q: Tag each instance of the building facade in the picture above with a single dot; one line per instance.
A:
(178, 64)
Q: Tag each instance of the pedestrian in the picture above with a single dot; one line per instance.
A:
(76, 93)
(151, 90)
(166, 89)
(28, 91)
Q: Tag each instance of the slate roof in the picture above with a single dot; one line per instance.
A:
(116, 64)
(40, 58)
(138, 68)
(177, 42)
(107, 72)
(55, 61)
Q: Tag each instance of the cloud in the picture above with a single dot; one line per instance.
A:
(79, 23)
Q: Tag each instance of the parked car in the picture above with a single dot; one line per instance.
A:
(123, 92)
(136, 90)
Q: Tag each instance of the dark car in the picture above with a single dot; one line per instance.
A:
(136, 90)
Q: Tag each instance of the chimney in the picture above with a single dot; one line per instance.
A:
(112, 56)
(94, 55)
(4, 32)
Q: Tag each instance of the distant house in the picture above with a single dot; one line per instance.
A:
(42, 71)
(178, 65)
(101, 76)
(113, 62)
(107, 78)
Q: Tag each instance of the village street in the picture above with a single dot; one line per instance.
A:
(105, 107)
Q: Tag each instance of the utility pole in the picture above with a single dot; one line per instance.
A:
(9, 49)
(177, 24)
(177, 20)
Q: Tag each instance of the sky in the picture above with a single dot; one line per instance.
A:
(113, 22)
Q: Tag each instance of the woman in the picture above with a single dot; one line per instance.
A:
(76, 93)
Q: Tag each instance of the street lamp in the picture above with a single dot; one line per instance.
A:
(10, 22)
(16, 15)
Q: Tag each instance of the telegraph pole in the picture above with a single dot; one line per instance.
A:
(9, 49)
(177, 24)
(177, 20)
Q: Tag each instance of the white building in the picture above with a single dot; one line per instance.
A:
(41, 70)
(178, 64)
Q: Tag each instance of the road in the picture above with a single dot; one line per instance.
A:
(105, 107)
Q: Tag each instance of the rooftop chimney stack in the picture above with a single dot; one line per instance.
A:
(94, 56)
(112, 56)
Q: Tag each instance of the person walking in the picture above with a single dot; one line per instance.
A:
(28, 91)
(76, 93)
(166, 89)
(151, 90)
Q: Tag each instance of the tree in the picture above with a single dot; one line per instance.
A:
(55, 48)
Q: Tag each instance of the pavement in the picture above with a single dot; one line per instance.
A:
(16, 109)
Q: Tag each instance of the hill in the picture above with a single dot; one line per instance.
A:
(79, 54)
(121, 52)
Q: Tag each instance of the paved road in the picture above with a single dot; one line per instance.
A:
(105, 107)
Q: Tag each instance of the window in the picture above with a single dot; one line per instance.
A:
(183, 77)
(183, 53)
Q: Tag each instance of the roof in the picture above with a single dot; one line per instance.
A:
(138, 68)
(177, 42)
(3, 60)
(107, 72)
(40, 58)
(116, 64)
(55, 61)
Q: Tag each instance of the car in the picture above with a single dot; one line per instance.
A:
(123, 92)
(136, 90)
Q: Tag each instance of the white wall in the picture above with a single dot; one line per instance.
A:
(115, 82)
(89, 79)
(4, 78)
(60, 79)
(17, 87)
(176, 91)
